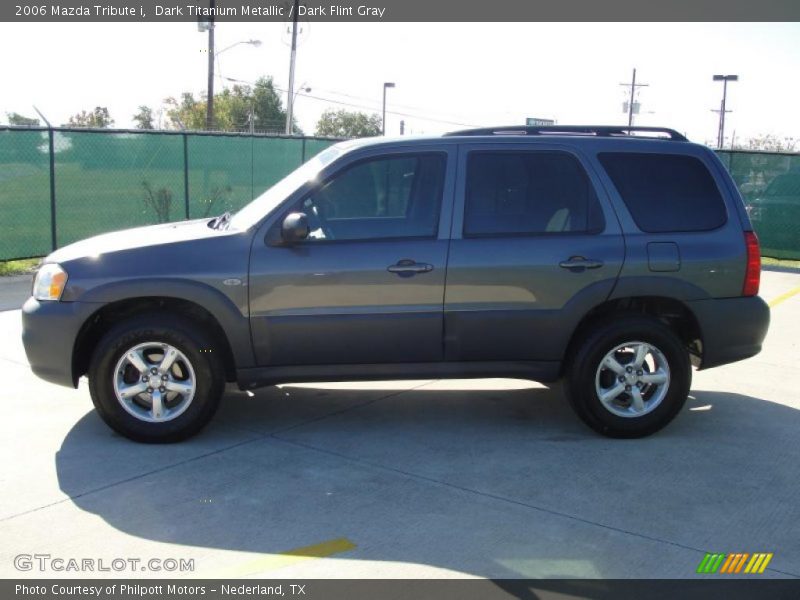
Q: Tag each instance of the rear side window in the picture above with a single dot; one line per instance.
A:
(519, 193)
(666, 192)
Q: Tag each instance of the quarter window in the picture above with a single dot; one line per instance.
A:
(518, 193)
(666, 192)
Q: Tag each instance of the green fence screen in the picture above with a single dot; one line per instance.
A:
(106, 180)
(770, 185)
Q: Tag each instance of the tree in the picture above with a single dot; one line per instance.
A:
(159, 201)
(98, 118)
(269, 112)
(144, 118)
(27, 146)
(18, 119)
(343, 123)
(233, 109)
(771, 143)
(189, 113)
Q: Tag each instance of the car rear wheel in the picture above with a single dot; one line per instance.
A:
(156, 378)
(630, 377)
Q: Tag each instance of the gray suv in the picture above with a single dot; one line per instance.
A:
(614, 258)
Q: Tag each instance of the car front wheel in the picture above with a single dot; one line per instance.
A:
(156, 378)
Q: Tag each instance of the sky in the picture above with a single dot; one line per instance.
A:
(448, 75)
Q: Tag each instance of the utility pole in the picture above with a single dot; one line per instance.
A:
(386, 86)
(402, 127)
(721, 127)
(290, 99)
(724, 79)
(210, 98)
(633, 85)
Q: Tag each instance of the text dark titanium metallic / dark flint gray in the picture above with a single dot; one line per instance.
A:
(610, 257)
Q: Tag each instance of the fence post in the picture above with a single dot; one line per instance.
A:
(186, 174)
(51, 146)
(303, 155)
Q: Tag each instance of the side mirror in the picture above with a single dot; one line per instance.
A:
(295, 227)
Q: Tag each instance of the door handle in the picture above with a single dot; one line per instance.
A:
(579, 263)
(408, 267)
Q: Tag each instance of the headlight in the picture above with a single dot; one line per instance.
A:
(49, 282)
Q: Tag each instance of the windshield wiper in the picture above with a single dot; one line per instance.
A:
(220, 221)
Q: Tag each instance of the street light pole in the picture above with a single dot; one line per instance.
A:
(724, 79)
(290, 100)
(386, 86)
(210, 98)
(303, 88)
(254, 43)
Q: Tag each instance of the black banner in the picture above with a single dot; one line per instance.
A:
(370, 11)
(447, 589)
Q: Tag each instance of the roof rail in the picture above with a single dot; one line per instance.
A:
(588, 130)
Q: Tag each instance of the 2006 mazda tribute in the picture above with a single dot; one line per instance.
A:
(614, 258)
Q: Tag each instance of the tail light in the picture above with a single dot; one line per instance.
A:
(752, 275)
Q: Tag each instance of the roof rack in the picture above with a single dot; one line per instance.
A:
(587, 130)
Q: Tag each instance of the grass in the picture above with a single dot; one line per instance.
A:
(780, 262)
(18, 267)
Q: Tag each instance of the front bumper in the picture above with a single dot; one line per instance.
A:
(732, 328)
(49, 331)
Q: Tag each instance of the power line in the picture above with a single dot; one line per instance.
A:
(355, 105)
(408, 106)
(391, 112)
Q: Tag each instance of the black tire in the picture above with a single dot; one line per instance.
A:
(188, 338)
(602, 339)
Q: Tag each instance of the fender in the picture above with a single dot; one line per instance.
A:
(666, 287)
(234, 323)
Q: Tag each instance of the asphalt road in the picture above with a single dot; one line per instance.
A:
(480, 478)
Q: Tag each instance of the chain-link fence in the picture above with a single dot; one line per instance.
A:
(770, 185)
(61, 185)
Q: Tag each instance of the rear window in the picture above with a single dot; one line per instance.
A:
(666, 192)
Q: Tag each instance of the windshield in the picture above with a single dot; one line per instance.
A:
(259, 208)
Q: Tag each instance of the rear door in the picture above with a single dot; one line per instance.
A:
(535, 244)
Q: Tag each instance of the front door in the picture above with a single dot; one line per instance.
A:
(367, 285)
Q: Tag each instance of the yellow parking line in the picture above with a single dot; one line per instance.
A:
(269, 562)
(785, 296)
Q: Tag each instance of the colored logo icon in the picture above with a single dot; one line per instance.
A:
(734, 563)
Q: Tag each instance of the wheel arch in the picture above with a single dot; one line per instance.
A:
(673, 312)
(207, 308)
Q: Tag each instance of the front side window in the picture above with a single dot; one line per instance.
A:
(528, 193)
(388, 197)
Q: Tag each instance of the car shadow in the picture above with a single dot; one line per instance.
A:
(510, 476)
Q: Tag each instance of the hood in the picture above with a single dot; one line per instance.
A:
(139, 237)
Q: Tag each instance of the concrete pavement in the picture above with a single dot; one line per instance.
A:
(14, 290)
(476, 478)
